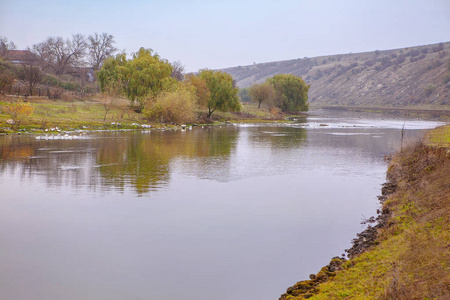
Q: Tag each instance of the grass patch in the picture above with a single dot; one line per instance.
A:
(63, 114)
(439, 137)
(411, 259)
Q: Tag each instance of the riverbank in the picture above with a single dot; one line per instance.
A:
(406, 254)
(95, 115)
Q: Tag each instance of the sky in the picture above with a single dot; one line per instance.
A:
(218, 34)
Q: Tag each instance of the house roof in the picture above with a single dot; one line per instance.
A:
(19, 56)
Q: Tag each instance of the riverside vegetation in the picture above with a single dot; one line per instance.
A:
(406, 254)
(39, 115)
(142, 88)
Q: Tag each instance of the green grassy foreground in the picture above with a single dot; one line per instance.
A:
(94, 114)
(409, 257)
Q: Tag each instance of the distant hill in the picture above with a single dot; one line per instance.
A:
(401, 77)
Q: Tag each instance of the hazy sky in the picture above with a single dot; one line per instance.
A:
(217, 33)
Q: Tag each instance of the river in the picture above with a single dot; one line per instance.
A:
(216, 212)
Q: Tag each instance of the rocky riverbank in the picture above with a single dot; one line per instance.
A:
(405, 254)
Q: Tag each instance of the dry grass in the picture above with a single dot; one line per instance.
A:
(421, 211)
(412, 257)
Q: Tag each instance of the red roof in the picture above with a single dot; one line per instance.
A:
(18, 56)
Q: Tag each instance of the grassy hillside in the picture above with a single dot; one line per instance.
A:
(400, 77)
(408, 253)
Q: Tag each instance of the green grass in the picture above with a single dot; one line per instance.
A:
(440, 137)
(63, 114)
(91, 114)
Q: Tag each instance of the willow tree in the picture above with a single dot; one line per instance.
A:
(143, 76)
(291, 92)
(223, 93)
(262, 92)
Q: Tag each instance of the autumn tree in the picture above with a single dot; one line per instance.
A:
(291, 92)
(100, 48)
(262, 92)
(201, 89)
(223, 92)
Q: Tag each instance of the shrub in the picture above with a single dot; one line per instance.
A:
(400, 59)
(446, 78)
(18, 110)
(429, 89)
(176, 106)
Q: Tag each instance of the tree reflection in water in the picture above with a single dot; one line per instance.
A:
(115, 159)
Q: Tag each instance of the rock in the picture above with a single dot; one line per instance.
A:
(10, 122)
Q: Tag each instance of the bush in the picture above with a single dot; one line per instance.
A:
(18, 111)
(51, 80)
(429, 89)
(400, 59)
(446, 78)
(173, 106)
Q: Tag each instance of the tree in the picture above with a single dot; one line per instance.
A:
(60, 54)
(244, 95)
(7, 75)
(142, 77)
(223, 93)
(43, 54)
(291, 92)
(262, 92)
(29, 73)
(177, 72)
(201, 89)
(6, 46)
(101, 47)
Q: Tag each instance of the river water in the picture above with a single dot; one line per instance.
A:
(226, 212)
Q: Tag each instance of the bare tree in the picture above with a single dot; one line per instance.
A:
(62, 54)
(6, 46)
(177, 72)
(101, 47)
(30, 73)
(43, 54)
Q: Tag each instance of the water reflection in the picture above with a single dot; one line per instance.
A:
(235, 205)
(146, 160)
(279, 136)
(141, 160)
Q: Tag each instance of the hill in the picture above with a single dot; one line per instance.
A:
(400, 77)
